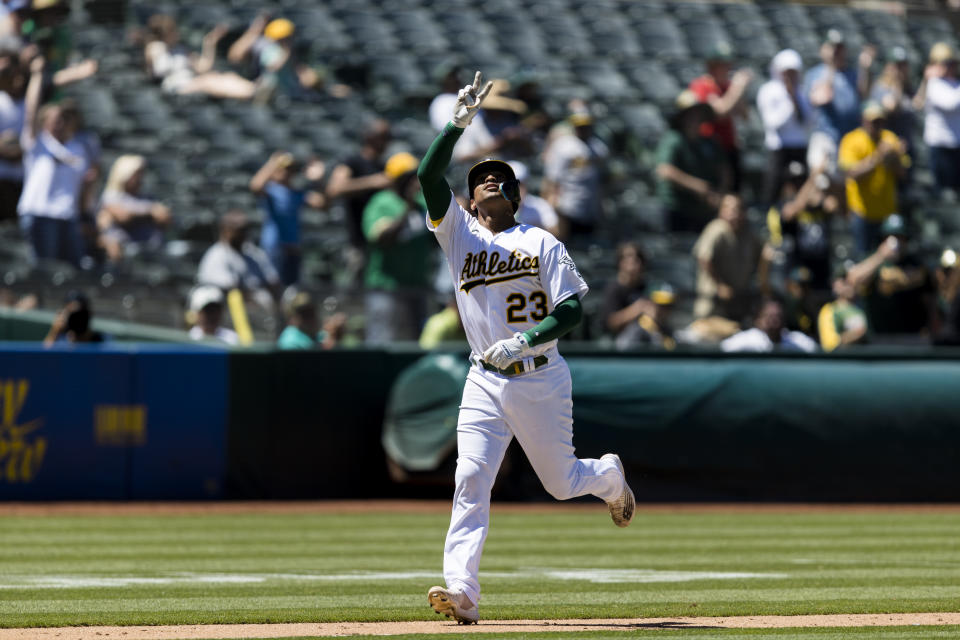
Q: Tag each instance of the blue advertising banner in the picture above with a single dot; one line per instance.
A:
(112, 422)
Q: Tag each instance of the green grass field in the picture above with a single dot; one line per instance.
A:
(144, 570)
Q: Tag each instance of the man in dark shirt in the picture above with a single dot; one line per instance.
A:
(895, 285)
(692, 173)
(356, 179)
(800, 223)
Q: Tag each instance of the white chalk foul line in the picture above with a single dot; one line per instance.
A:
(603, 576)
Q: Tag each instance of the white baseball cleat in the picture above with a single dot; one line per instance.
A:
(621, 509)
(453, 604)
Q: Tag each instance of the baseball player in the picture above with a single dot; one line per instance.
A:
(517, 292)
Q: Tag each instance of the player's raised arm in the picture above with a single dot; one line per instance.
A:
(436, 191)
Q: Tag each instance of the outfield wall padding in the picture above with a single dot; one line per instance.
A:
(187, 422)
(765, 428)
(112, 422)
(743, 428)
(308, 424)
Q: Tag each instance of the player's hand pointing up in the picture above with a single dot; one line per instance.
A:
(468, 101)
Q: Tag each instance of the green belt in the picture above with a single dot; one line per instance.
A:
(514, 368)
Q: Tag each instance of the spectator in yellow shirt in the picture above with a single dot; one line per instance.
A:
(873, 158)
(445, 326)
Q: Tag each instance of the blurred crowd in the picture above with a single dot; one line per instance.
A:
(840, 137)
(840, 140)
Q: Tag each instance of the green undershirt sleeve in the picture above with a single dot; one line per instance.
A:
(436, 191)
(564, 318)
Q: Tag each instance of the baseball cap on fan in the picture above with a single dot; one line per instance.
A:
(205, 295)
(662, 294)
(722, 52)
(836, 37)
(279, 29)
(400, 164)
(873, 110)
(942, 53)
(897, 54)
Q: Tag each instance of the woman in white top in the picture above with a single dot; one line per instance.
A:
(940, 92)
(125, 218)
(181, 71)
(785, 115)
(57, 168)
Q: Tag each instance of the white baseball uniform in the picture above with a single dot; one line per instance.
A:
(507, 283)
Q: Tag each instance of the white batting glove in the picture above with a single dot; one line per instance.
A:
(506, 351)
(468, 101)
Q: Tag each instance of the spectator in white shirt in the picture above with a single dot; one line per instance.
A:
(533, 210)
(235, 263)
(941, 129)
(12, 84)
(126, 219)
(448, 74)
(574, 166)
(786, 116)
(56, 168)
(769, 334)
(206, 303)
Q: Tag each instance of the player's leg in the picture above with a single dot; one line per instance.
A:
(482, 440)
(539, 410)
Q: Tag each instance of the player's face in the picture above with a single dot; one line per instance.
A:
(487, 191)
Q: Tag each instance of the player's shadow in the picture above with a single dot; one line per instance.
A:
(614, 626)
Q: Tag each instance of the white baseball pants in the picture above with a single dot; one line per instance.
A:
(537, 408)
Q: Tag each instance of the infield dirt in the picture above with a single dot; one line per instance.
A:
(189, 632)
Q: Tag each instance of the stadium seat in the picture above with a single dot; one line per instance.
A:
(655, 82)
(691, 11)
(706, 36)
(788, 14)
(604, 79)
(663, 39)
(643, 121)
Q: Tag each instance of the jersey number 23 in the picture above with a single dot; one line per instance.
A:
(517, 307)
